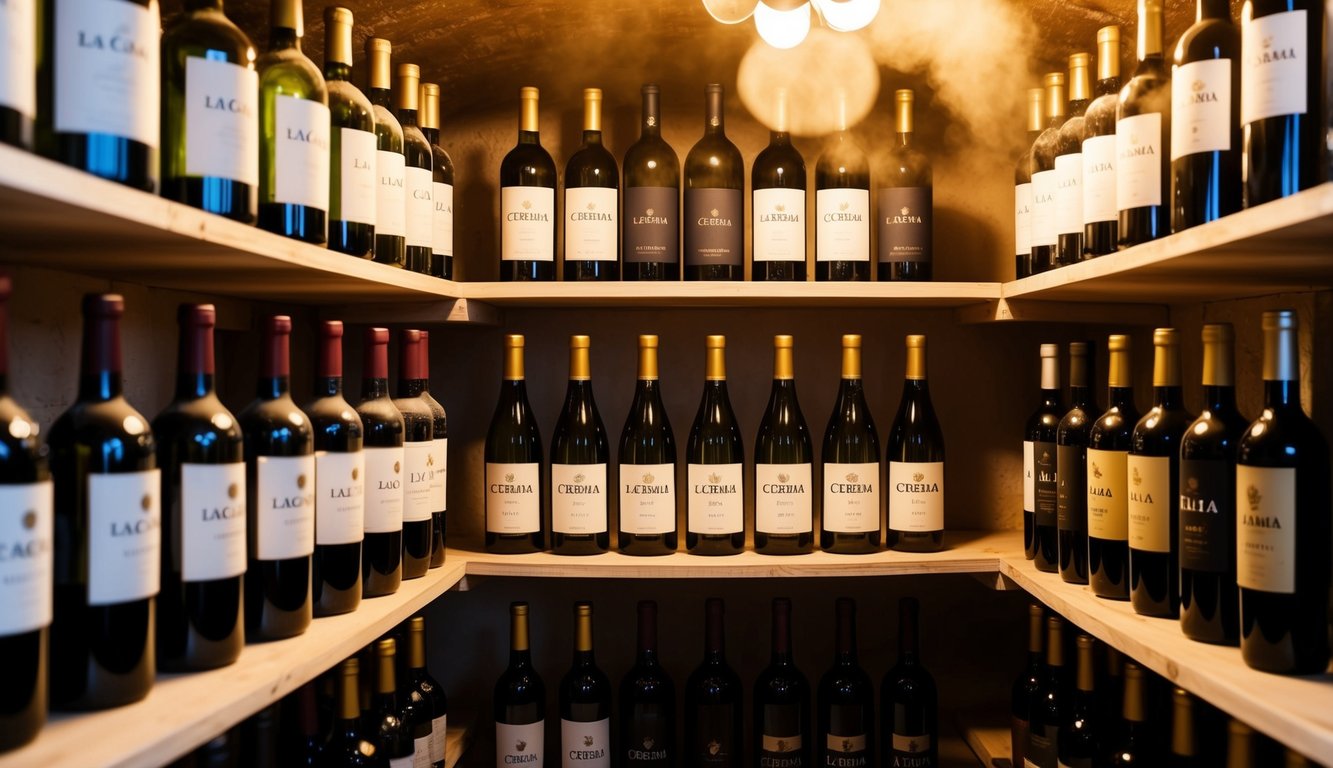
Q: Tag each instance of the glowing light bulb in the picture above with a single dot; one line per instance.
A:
(782, 29)
(730, 11)
(848, 15)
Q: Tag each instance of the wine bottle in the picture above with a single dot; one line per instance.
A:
(383, 723)
(1281, 97)
(1023, 186)
(906, 204)
(1043, 744)
(340, 482)
(842, 209)
(294, 127)
(1027, 688)
(513, 455)
(585, 701)
(651, 235)
(201, 456)
(420, 173)
(527, 202)
(713, 702)
(1184, 747)
(783, 463)
(385, 455)
(916, 463)
(1142, 133)
(438, 462)
(647, 702)
(1282, 531)
(210, 95)
(418, 456)
(442, 186)
(97, 107)
(579, 459)
(1109, 443)
(108, 530)
(1205, 119)
(777, 184)
(1208, 598)
(782, 701)
(1069, 166)
(390, 161)
(349, 746)
(252, 743)
(1134, 744)
(647, 465)
(850, 523)
(714, 200)
(911, 727)
(1071, 467)
(520, 699)
(1101, 220)
(18, 95)
(1081, 737)
(25, 581)
(352, 173)
(1040, 489)
(426, 694)
(715, 461)
(280, 483)
(1044, 235)
(592, 185)
(1154, 487)
(846, 701)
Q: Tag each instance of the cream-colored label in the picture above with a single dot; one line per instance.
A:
(781, 744)
(106, 69)
(1138, 155)
(578, 498)
(527, 224)
(842, 225)
(779, 225)
(836, 743)
(439, 730)
(1099, 180)
(647, 498)
(911, 744)
(357, 176)
(301, 152)
(1273, 66)
(27, 548)
(420, 210)
(439, 474)
(442, 224)
(1108, 510)
(212, 521)
(18, 80)
(585, 745)
(390, 194)
(520, 745)
(416, 480)
(851, 497)
(124, 536)
(1023, 219)
(1043, 209)
(592, 228)
(782, 498)
(716, 501)
(340, 497)
(1069, 194)
(513, 498)
(1029, 487)
(285, 500)
(1266, 528)
(916, 496)
(221, 120)
(1149, 503)
(1201, 107)
(384, 489)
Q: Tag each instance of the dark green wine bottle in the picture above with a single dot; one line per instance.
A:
(1108, 479)
(783, 463)
(520, 699)
(579, 459)
(906, 203)
(513, 455)
(592, 184)
(442, 193)
(842, 211)
(647, 466)
(390, 164)
(715, 466)
(850, 523)
(916, 463)
(777, 183)
(714, 201)
(527, 202)
(352, 179)
(651, 234)
(419, 173)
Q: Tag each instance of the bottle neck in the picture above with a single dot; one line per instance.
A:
(529, 137)
(194, 375)
(273, 387)
(282, 38)
(903, 139)
(714, 123)
(846, 648)
(651, 124)
(1108, 86)
(907, 636)
(714, 639)
(1213, 9)
(373, 389)
(407, 117)
(1050, 397)
(1282, 394)
(1220, 398)
(381, 97)
(647, 639)
(519, 653)
(192, 386)
(782, 634)
(432, 136)
(1080, 396)
(100, 375)
(592, 138)
(203, 5)
(337, 71)
(411, 387)
(583, 653)
(1120, 397)
(1170, 396)
(779, 139)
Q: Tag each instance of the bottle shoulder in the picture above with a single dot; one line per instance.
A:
(1207, 39)
(387, 129)
(289, 72)
(349, 107)
(206, 31)
(195, 418)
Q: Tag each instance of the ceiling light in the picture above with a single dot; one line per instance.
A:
(782, 28)
(730, 11)
(847, 15)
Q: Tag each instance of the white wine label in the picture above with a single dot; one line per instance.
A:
(1266, 528)
(911, 745)
(1069, 194)
(1043, 209)
(421, 752)
(442, 223)
(591, 225)
(1108, 510)
(285, 517)
(340, 497)
(1023, 219)
(420, 208)
(779, 225)
(782, 498)
(520, 745)
(1273, 51)
(1200, 107)
(717, 498)
(301, 152)
(439, 732)
(384, 489)
(714, 227)
(124, 536)
(1029, 481)
(221, 120)
(842, 225)
(357, 175)
(1099, 179)
(647, 498)
(585, 744)
(851, 497)
(1138, 153)
(439, 474)
(107, 74)
(18, 78)
(513, 498)
(390, 194)
(843, 744)
(916, 496)
(578, 498)
(1149, 503)
(527, 224)
(1207, 507)
(780, 745)
(403, 762)
(212, 522)
(27, 549)
(416, 480)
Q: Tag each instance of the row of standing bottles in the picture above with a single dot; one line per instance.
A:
(1237, 121)
(1218, 520)
(172, 543)
(781, 494)
(643, 731)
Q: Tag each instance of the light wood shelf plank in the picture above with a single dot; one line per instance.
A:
(657, 295)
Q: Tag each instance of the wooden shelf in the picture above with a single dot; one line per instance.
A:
(186, 710)
(659, 295)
